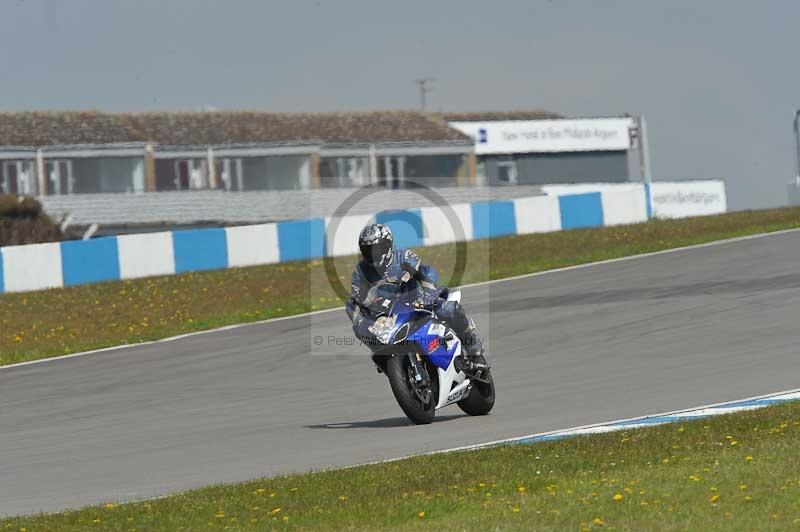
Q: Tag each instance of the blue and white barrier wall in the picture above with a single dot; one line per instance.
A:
(40, 266)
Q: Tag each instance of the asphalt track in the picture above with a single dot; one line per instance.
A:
(609, 341)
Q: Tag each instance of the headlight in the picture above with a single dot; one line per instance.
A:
(382, 328)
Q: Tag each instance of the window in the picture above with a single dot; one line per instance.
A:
(279, 172)
(182, 174)
(59, 177)
(432, 170)
(345, 172)
(507, 171)
(18, 177)
(107, 174)
(229, 173)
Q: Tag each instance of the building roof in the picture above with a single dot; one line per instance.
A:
(222, 128)
(488, 116)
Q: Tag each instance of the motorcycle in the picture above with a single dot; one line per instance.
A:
(422, 357)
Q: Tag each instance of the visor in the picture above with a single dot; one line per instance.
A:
(376, 254)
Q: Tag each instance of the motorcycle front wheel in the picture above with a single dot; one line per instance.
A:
(418, 404)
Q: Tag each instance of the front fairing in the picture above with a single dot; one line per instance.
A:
(402, 320)
(438, 343)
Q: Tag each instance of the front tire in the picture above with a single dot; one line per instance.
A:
(419, 411)
(480, 400)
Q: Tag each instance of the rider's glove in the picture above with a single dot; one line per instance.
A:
(409, 271)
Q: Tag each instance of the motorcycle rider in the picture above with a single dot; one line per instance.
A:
(382, 262)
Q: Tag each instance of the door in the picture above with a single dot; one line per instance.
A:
(182, 174)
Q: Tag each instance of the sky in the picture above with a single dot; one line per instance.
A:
(717, 80)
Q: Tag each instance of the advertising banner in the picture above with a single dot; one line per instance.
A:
(680, 199)
(535, 136)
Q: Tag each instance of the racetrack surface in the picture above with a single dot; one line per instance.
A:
(621, 339)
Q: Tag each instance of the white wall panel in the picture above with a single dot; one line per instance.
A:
(437, 227)
(539, 214)
(345, 240)
(624, 206)
(145, 255)
(249, 245)
(32, 267)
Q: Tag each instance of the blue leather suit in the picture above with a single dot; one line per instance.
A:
(365, 276)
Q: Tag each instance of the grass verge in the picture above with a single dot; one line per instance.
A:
(48, 323)
(735, 472)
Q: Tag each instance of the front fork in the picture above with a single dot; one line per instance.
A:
(420, 375)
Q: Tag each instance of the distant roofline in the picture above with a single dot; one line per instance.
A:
(225, 128)
(514, 116)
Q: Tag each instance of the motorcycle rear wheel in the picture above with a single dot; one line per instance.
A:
(480, 400)
(399, 371)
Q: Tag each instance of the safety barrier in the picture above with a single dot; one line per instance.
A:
(40, 266)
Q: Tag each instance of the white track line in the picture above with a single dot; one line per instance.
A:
(506, 279)
(575, 431)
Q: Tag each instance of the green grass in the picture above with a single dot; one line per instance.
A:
(735, 472)
(48, 323)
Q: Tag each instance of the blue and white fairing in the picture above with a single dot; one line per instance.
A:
(404, 322)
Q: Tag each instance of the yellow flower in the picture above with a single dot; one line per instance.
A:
(714, 498)
(521, 489)
(748, 458)
(742, 486)
(342, 497)
(617, 496)
(515, 510)
(694, 477)
(748, 498)
(110, 506)
(421, 515)
(597, 521)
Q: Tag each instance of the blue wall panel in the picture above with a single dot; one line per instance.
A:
(301, 240)
(581, 210)
(200, 249)
(647, 201)
(406, 226)
(2, 286)
(89, 261)
(493, 218)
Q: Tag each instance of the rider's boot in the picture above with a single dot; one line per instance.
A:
(473, 360)
(473, 348)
